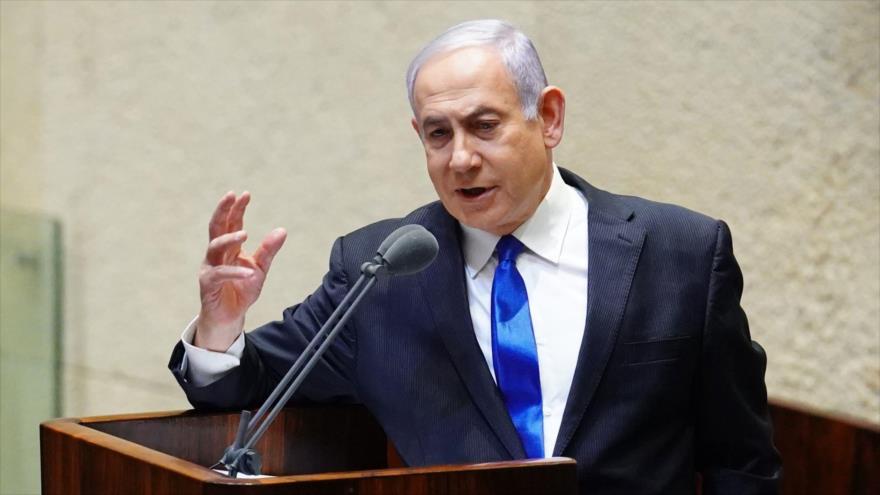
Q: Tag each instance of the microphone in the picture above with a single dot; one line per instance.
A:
(393, 237)
(411, 252)
(407, 250)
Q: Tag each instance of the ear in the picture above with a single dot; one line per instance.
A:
(415, 126)
(552, 111)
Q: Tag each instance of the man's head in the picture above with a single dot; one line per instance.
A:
(488, 122)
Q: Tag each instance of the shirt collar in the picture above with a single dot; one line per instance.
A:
(543, 233)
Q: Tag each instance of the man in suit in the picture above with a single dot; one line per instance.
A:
(557, 320)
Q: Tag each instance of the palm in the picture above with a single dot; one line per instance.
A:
(230, 280)
(233, 298)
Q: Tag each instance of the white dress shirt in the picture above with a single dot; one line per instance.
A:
(554, 269)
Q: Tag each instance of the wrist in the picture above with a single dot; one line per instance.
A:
(214, 336)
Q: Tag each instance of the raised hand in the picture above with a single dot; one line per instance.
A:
(230, 280)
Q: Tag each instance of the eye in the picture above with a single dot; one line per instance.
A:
(437, 133)
(486, 125)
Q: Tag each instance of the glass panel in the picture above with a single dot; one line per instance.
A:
(30, 325)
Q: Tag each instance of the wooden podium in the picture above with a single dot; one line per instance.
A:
(308, 450)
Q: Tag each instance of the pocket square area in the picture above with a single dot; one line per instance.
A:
(660, 350)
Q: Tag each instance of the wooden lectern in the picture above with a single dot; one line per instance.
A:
(309, 450)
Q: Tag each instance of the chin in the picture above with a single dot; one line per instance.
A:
(482, 220)
(473, 221)
(484, 225)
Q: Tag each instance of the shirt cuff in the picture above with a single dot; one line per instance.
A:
(203, 367)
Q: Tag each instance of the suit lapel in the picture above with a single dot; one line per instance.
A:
(614, 248)
(446, 290)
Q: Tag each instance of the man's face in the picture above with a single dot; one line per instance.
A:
(490, 166)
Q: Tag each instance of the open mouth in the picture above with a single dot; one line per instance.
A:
(474, 192)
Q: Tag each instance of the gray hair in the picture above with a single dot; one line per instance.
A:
(516, 50)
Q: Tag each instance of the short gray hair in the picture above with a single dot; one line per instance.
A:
(515, 48)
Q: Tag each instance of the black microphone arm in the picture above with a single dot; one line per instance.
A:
(407, 250)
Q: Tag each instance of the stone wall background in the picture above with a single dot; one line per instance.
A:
(128, 120)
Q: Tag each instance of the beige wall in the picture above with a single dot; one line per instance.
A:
(128, 120)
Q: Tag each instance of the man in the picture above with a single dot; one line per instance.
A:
(558, 319)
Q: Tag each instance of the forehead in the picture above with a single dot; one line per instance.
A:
(463, 80)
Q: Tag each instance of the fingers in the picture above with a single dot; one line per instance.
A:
(229, 214)
(264, 254)
(217, 225)
(224, 248)
(235, 221)
(215, 275)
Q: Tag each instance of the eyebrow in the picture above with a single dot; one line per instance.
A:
(474, 114)
(480, 111)
(433, 121)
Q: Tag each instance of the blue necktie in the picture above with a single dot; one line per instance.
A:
(514, 355)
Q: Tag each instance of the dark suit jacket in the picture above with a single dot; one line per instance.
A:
(668, 381)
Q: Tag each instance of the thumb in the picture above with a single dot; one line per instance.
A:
(269, 247)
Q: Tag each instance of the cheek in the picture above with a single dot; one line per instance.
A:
(509, 152)
(436, 172)
(437, 161)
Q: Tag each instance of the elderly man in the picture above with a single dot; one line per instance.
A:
(557, 320)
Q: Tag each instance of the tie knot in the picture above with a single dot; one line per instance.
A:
(508, 248)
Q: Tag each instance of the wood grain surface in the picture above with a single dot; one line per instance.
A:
(310, 449)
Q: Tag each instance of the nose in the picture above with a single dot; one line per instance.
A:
(464, 156)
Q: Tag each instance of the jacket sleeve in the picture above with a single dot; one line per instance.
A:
(735, 451)
(270, 350)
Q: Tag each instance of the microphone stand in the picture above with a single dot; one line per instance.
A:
(240, 457)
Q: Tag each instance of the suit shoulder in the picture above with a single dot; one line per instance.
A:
(364, 240)
(653, 216)
(673, 226)
(384, 227)
(655, 213)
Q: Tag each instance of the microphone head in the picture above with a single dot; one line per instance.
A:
(411, 252)
(392, 237)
